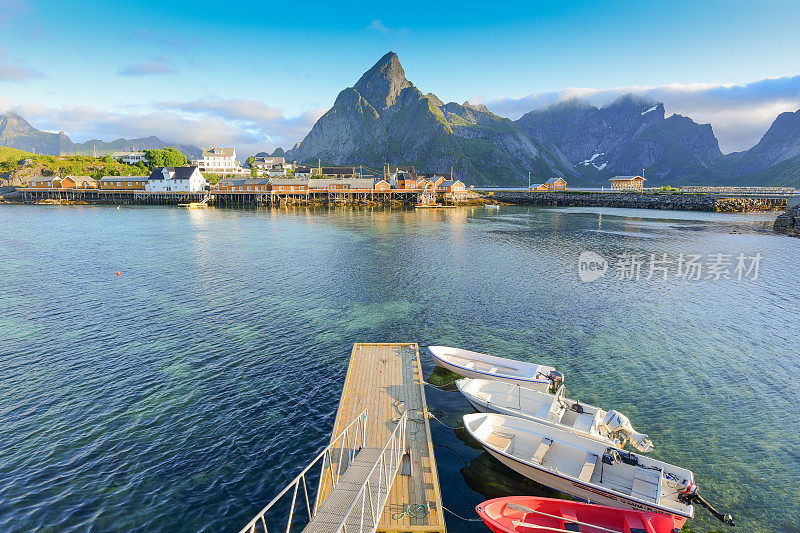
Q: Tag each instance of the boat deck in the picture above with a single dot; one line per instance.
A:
(386, 379)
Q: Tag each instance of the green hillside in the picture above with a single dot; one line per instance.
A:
(17, 166)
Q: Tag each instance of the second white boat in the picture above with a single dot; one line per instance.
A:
(610, 427)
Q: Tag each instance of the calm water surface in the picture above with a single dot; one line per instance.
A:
(182, 395)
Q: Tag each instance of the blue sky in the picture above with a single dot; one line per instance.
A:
(257, 74)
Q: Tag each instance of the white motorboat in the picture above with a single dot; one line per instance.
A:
(611, 427)
(583, 467)
(481, 365)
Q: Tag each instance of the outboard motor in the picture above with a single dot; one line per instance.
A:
(689, 495)
(616, 422)
(556, 380)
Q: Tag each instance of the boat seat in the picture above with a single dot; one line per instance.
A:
(583, 422)
(646, 483)
(493, 370)
(634, 524)
(505, 443)
(471, 364)
(543, 448)
(588, 467)
(569, 514)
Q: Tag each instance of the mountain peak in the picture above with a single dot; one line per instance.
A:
(382, 83)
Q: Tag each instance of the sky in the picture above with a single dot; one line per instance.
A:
(257, 75)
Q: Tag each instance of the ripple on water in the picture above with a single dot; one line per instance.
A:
(183, 394)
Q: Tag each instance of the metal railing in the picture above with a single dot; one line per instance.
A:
(342, 450)
(374, 491)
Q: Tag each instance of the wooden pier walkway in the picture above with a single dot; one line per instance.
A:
(386, 379)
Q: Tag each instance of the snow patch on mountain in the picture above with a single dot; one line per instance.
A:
(591, 161)
(587, 162)
(651, 109)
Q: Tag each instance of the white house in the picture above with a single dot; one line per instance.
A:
(218, 161)
(271, 165)
(176, 179)
(131, 158)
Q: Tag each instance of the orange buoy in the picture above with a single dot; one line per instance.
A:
(119, 273)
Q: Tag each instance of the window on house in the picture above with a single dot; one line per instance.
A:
(130, 184)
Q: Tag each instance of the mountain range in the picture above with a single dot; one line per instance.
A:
(384, 118)
(16, 132)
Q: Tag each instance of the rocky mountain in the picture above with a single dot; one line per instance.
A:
(384, 118)
(16, 132)
(624, 137)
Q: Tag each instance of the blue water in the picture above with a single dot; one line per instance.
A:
(183, 394)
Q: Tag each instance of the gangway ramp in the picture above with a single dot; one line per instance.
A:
(380, 458)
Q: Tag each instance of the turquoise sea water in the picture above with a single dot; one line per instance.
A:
(183, 394)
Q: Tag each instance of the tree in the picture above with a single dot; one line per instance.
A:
(165, 157)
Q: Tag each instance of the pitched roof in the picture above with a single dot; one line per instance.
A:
(176, 173)
(555, 180)
(256, 182)
(289, 181)
(269, 160)
(626, 178)
(217, 152)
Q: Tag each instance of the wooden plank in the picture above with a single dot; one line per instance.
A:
(386, 378)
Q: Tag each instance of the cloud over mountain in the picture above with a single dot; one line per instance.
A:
(739, 114)
(249, 125)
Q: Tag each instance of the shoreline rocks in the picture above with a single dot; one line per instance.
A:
(788, 223)
(682, 202)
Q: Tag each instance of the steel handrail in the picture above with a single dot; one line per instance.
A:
(395, 459)
(359, 422)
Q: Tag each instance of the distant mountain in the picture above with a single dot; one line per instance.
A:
(16, 132)
(624, 137)
(384, 118)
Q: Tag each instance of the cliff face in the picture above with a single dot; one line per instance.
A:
(385, 118)
(624, 137)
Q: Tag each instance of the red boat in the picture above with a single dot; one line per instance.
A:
(529, 514)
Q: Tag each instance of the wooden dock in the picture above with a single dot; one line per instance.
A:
(386, 379)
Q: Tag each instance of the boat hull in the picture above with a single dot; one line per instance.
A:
(487, 407)
(534, 383)
(573, 488)
(525, 513)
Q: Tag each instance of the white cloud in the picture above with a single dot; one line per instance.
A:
(739, 114)
(248, 125)
(380, 27)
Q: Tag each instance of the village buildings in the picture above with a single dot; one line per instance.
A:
(131, 158)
